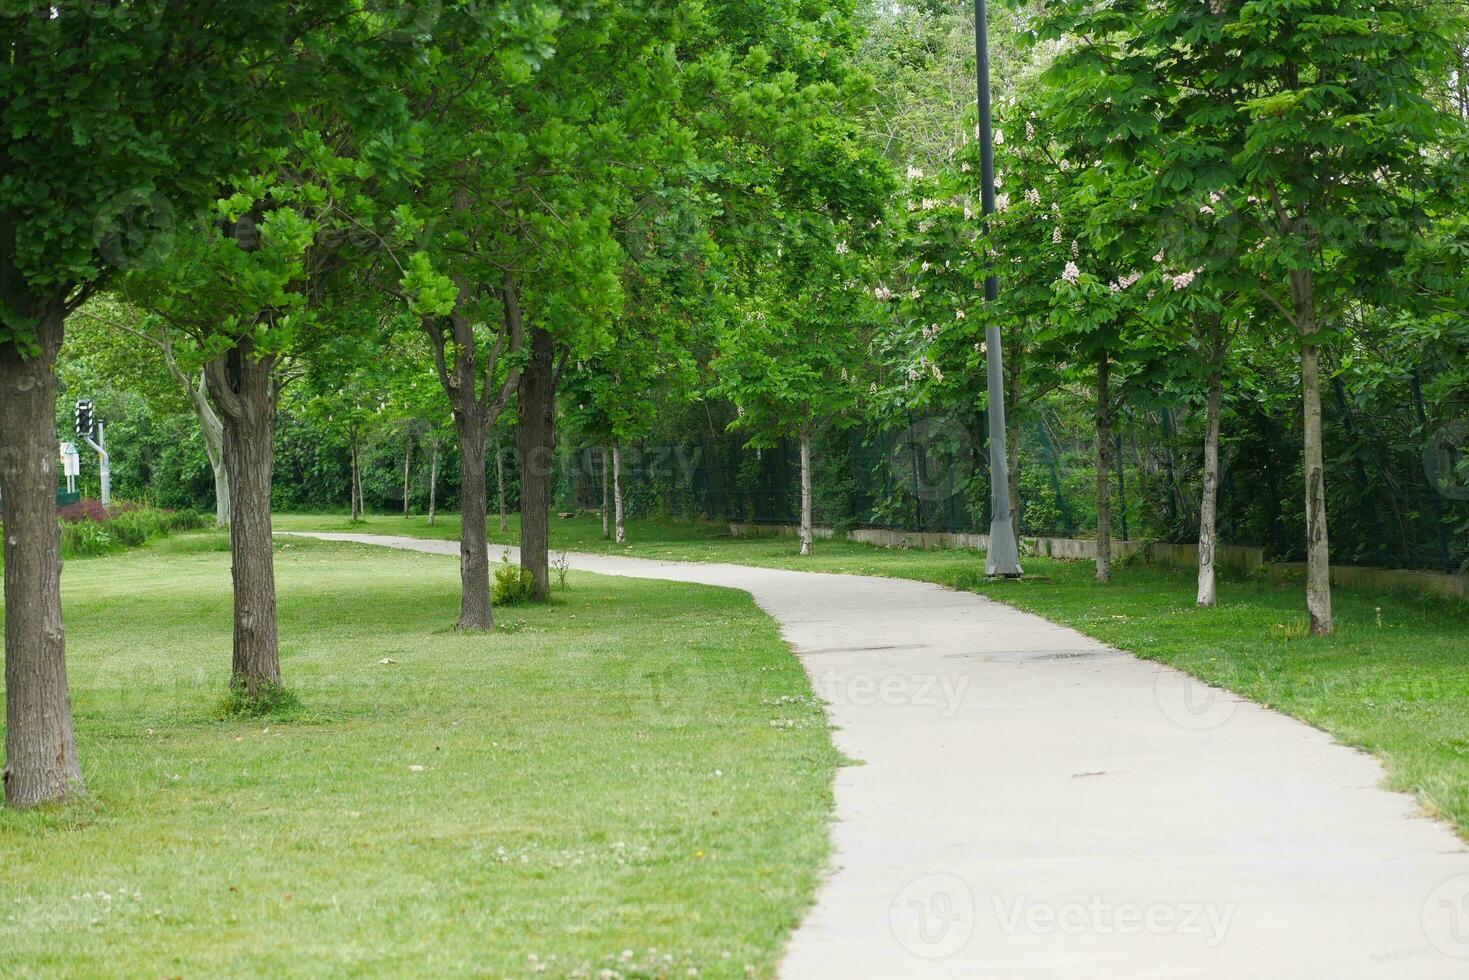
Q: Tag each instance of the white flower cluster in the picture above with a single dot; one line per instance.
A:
(1072, 273)
(1033, 197)
(1181, 281)
(882, 293)
(1126, 282)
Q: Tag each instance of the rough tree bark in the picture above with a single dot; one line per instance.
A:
(606, 496)
(433, 479)
(244, 395)
(617, 491)
(1318, 560)
(1104, 469)
(806, 489)
(477, 403)
(40, 749)
(1209, 501)
(474, 550)
(536, 441)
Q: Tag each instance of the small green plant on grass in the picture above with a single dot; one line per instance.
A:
(514, 586)
(1296, 629)
(562, 565)
(274, 702)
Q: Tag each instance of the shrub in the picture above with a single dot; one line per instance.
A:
(514, 586)
(277, 703)
(89, 530)
(86, 539)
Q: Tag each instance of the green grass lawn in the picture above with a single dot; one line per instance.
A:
(638, 767)
(1393, 680)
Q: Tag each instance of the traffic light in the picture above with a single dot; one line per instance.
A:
(84, 417)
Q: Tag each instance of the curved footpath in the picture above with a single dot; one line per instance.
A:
(1033, 803)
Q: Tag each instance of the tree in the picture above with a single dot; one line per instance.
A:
(1311, 118)
(278, 251)
(799, 361)
(183, 364)
(533, 129)
(117, 119)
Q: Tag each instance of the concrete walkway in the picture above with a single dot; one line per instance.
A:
(1036, 804)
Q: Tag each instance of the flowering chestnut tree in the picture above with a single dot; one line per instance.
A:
(1311, 118)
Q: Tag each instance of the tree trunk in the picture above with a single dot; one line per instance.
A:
(1318, 561)
(536, 440)
(477, 403)
(1015, 362)
(617, 490)
(1209, 502)
(606, 496)
(805, 490)
(407, 461)
(433, 479)
(213, 432)
(221, 491)
(40, 749)
(500, 484)
(243, 389)
(356, 485)
(1104, 470)
(474, 547)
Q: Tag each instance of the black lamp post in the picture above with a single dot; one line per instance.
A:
(1003, 555)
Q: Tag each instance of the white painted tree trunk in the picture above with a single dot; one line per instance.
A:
(617, 491)
(606, 495)
(806, 490)
(212, 430)
(1318, 555)
(433, 480)
(1208, 503)
(407, 462)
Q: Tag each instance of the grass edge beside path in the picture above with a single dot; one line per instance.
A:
(1393, 680)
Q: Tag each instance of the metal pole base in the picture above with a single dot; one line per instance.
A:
(1003, 556)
